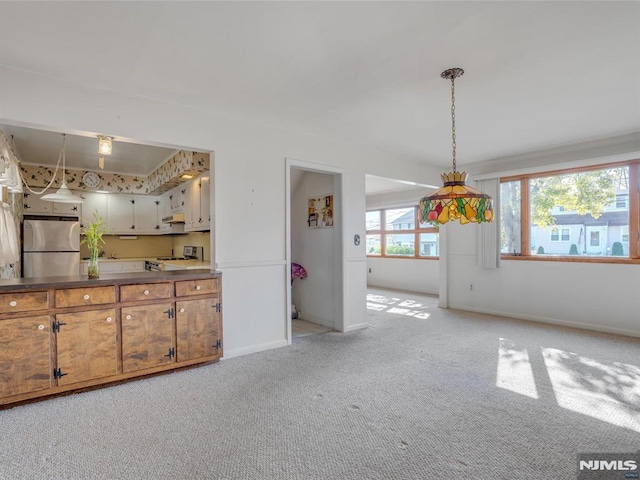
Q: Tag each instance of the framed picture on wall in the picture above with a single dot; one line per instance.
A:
(320, 212)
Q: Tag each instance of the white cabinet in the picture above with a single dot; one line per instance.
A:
(121, 214)
(146, 212)
(67, 209)
(197, 210)
(93, 203)
(134, 214)
(114, 266)
(33, 205)
(177, 198)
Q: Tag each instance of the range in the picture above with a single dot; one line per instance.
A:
(189, 252)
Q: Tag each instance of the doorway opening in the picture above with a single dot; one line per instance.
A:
(314, 250)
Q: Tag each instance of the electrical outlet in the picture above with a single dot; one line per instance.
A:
(369, 270)
(471, 286)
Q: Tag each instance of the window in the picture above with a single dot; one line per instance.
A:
(560, 234)
(392, 232)
(572, 213)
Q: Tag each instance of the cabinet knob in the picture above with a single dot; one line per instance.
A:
(40, 327)
(146, 292)
(198, 287)
(86, 296)
(182, 310)
(13, 303)
(108, 319)
(128, 317)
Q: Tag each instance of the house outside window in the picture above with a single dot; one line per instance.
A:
(392, 232)
(573, 213)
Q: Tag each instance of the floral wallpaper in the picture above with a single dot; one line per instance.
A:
(163, 179)
(168, 174)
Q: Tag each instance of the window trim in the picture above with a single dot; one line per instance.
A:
(383, 232)
(525, 221)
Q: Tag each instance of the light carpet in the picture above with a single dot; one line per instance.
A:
(423, 393)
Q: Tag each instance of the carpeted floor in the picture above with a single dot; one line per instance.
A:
(423, 393)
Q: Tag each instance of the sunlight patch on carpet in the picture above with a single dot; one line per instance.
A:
(607, 391)
(514, 369)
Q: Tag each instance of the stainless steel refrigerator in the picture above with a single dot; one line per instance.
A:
(51, 248)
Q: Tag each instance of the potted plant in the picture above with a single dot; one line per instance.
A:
(93, 238)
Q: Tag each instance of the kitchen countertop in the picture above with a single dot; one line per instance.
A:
(38, 283)
(188, 264)
(123, 259)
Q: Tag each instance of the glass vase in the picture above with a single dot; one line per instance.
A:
(94, 267)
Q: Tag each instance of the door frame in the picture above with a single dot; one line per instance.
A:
(338, 203)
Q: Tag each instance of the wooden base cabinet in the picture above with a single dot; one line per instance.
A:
(87, 333)
(86, 346)
(197, 324)
(25, 355)
(147, 336)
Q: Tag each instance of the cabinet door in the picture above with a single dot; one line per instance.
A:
(94, 202)
(86, 345)
(121, 214)
(198, 329)
(146, 214)
(147, 336)
(25, 355)
(34, 205)
(70, 209)
(191, 207)
(205, 199)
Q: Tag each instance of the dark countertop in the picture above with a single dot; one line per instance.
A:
(39, 283)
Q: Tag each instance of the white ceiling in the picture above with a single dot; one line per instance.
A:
(40, 147)
(538, 74)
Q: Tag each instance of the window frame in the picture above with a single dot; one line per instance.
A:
(525, 220)
(383, 232)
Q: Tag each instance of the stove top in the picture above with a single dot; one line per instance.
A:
(171, 258)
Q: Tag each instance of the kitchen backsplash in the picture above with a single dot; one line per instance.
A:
(164, 178)
(151, 246)
(197, 239)
(143, 246)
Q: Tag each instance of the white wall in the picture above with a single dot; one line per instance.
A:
(587, 295)
(404, 274)
(249, 189)
(415, 275)
(314, 249)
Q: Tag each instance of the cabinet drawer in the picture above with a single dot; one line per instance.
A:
(197, 287)
(145, 291)
(23, 302)
(74, 297)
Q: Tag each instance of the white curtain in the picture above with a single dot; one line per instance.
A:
(9, 179)
(489, 233)
(9, 249)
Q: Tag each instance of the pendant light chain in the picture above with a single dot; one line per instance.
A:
(453, 120)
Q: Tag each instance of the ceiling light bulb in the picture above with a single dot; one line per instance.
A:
(105, 145)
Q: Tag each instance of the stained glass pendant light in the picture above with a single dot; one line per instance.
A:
(455, 200)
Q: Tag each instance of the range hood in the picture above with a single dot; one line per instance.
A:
(174, 218)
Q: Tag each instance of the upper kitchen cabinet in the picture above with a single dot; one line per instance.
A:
(93, 203)
(178, 198)
(197, 210)
(34, 205)
(133, 214)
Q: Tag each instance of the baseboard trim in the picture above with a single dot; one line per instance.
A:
(552, 321)
(254, 349)
(357, 326)
(318, 321)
